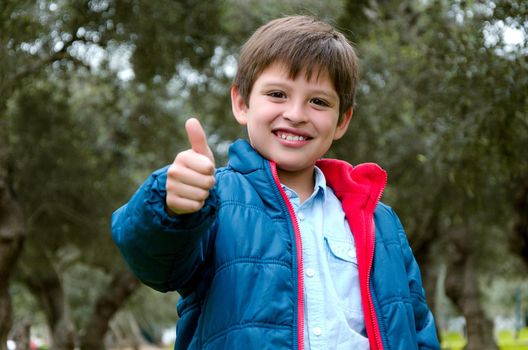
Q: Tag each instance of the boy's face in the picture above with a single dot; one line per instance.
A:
(291, 122)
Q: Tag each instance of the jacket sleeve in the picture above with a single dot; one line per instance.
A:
(165, 252)
(425, 326)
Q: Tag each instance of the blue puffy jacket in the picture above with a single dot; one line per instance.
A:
(237, 262)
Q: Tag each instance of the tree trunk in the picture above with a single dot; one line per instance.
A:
(422, 241)
(462, 287)
(110, 300)
(63, 336)
(519, 243)
(6, 320)
(11, 240)
(46, 285)
(425, 237)
(430, 273)
(22, 336)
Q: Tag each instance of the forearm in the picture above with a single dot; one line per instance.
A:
(162, 250)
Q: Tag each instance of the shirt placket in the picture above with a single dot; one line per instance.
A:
(315, 328)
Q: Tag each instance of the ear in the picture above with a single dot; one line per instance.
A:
(238, 106)
(343, 125)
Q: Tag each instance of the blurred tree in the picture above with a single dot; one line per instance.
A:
(73, 161)
(11, 239)
(11, 217)
(93, 95)
(443, 107)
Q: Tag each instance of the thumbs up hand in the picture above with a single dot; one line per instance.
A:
(191, 175)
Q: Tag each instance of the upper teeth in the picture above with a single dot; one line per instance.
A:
(292, 137)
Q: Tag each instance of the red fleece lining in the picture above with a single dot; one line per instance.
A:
(359, 190)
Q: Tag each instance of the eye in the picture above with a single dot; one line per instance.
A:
(276, 94)
(320, 102)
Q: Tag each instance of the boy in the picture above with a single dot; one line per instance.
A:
(280, 249)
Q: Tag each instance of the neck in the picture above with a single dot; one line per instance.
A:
(302, 181)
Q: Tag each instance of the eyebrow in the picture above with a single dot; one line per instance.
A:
(330, 94)
(326, 93)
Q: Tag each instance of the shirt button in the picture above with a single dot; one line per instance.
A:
(310, 272)
(351, 253)
(317, 331)
(301, 216)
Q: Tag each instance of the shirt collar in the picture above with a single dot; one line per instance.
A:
(320, 181)
(319, 186)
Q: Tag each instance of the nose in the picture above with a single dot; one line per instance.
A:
(295, 113)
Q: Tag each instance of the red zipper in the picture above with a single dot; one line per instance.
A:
(375, 326)
(370, 226)
(298, 248)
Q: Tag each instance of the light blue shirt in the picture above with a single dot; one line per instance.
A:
(333, 317)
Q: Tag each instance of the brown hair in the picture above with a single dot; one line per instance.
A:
(300, 43)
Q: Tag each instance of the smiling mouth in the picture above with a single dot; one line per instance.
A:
(291, 137)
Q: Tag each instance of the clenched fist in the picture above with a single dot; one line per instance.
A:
(191, 175)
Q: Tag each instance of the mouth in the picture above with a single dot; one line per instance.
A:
(291, 136)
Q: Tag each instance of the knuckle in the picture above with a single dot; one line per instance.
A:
(170, 170)
(179, 158)
(176, 172)
(173, 193)
(210, 169)
(172, 203)
(204, 195)
(196, 205)
(182, 156)
(173, 171)
(211, 181)
(172, 187)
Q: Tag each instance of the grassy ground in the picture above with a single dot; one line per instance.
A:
(450, 341)
(506, 340)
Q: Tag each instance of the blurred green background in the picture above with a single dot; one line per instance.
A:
(93, 96)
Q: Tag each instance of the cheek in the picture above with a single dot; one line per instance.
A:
(255, 131)
(328, 125)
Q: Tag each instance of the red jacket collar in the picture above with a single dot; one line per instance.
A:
(361, 185)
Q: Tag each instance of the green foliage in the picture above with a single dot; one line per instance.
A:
(443, 107)
(82, 284)
(80, 138)
(167, 33)
(93, 96)
(444, 111)
(153, 311)
(23, 301)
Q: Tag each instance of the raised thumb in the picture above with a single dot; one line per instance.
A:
(197, 138)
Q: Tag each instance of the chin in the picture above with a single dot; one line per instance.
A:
(294, 168)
